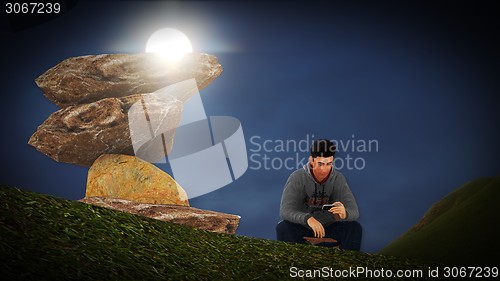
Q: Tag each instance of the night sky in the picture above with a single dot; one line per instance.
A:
(419, 79)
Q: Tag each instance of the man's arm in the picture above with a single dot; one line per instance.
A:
(347, 199)
(292, 201)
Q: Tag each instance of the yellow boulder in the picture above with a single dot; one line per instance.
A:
(128, 177)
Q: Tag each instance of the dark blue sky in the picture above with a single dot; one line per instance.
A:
(420, 78)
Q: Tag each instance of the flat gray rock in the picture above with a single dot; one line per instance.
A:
(202, 219)
(87, 79)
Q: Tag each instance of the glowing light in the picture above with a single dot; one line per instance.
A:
(169, 43)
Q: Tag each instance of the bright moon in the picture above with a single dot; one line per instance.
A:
(169, 43)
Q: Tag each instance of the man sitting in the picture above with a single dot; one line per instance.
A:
(307, 190)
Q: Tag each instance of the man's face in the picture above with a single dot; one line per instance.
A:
(321, 166)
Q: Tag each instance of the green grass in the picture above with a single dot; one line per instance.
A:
(46, 238)
(459, 229)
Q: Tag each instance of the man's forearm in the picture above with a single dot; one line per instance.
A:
(295, 216)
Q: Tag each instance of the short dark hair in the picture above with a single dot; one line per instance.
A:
(323, 148)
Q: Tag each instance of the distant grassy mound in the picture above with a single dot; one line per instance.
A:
(46, 238)
(462, 228)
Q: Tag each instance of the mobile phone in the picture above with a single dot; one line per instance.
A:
(327, 207)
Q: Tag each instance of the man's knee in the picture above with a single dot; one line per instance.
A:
(281, 230)
(355, 233)
(355, 227)
(288, 232)
(280, 227)
(284, 226)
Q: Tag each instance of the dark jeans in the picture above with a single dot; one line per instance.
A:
(347, 233)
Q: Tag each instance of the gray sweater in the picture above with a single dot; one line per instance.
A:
(303, 197)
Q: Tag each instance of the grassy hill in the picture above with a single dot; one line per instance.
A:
(460, 229)
(46, 238)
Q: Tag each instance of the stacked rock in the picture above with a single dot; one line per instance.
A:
(95, 93)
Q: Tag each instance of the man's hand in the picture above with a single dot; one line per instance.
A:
(317, 227)
(339, 210)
